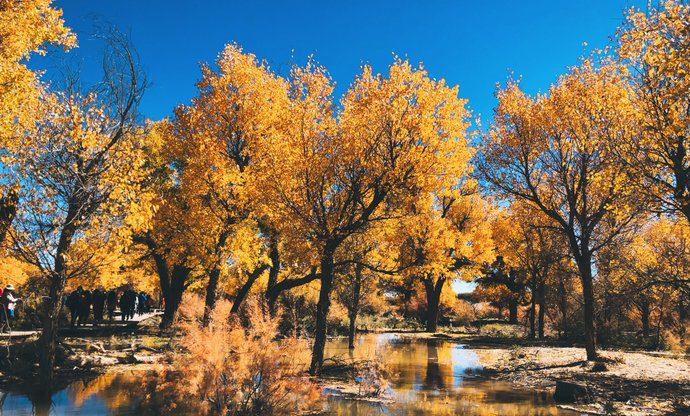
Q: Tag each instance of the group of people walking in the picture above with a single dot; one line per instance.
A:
(80, 303)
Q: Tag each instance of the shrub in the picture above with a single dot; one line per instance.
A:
(231, 369)
(372, 376)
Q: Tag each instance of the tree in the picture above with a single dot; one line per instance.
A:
(524, 236)
(443, 239)
(239, 111)
(656, 266)
(335, 175)
(80, 174)
(501, 284)
(171, 243)
(25, 28)
(358, 282)
(554, 152)
(655, 48)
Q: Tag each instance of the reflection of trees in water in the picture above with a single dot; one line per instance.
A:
(41, 402)
(114, 390)
(425, 382)
(434, 378)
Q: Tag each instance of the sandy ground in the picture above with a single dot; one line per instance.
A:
(630, 383)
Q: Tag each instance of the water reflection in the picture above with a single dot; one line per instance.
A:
(430, 377)
(436, 377)
(114, 393)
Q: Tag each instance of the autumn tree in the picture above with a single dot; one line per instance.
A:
(443, 239)
(240, 110)
(554, 152)
(338, 172)
(501, 283)
(524, 236)
(169, 247)
(357, 280)
(26, 27)
(80, 173)
(654, 274)
(655, 48)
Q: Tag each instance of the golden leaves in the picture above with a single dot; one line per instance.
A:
(25, 28)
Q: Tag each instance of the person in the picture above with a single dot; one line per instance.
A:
(73, 301)
(127, 304)
(84, 307)
(142, 303)
(9, 301)
(112, 303)
(98, 300)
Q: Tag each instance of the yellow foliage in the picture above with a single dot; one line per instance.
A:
(232, 370)
(25, 28)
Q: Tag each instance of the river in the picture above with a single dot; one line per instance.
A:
(428, 377)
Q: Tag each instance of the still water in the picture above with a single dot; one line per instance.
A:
(429, 377)
(436, 377)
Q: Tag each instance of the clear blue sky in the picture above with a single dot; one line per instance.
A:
(471, 43)
(474, 44)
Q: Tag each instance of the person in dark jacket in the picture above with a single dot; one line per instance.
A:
(142, 303)
(127, 302)
(72, 303)
(112, 303)
(98, 301)
(84, 308)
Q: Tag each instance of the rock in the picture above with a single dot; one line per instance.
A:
(147, 359)
(599, 367)
(567, 392)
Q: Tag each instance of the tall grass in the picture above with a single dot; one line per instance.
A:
(235, 367)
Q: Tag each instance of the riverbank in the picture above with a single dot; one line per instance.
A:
(634, 383)
(628, 382)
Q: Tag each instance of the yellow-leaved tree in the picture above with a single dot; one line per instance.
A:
(554, 152)
(81, 176)
(655, 48)
(25, 28)
(446, 236)
(338, 171)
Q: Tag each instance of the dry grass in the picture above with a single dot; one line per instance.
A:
(233, 369)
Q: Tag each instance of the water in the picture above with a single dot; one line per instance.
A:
(429, 377)
(436, 377)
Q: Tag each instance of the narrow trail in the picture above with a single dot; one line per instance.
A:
(116, 325)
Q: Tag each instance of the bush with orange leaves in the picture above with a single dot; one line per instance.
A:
(234, 368)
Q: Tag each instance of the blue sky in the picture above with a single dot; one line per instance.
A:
(473, 44)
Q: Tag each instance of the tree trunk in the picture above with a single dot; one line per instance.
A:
(244, 290)
(173, 295)
(433, 301)
(211, 295)
(542, 308)
(54, 302)
(354, 307)
(584, 265)
(322, 308)
(644, 314)
(274, 255)
(214, 275)
(351, 331)
(564, 308)
(50, 325)
(513, 310)
(533, 309)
